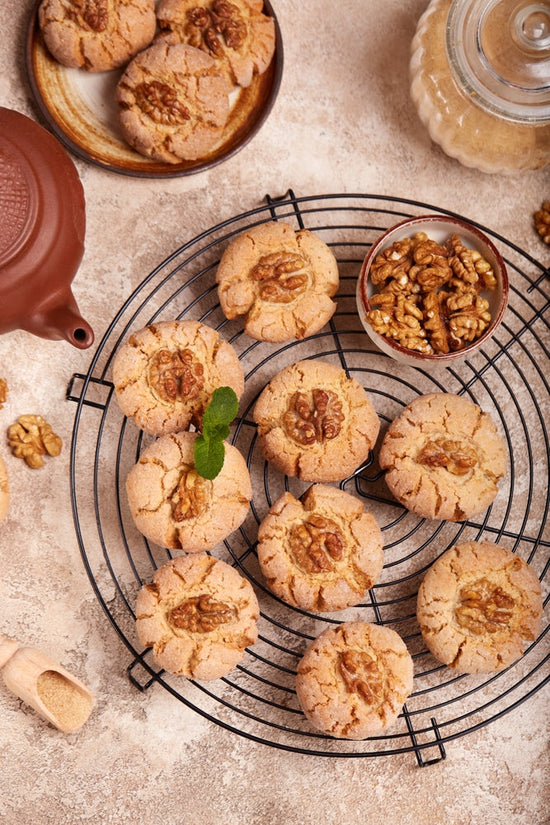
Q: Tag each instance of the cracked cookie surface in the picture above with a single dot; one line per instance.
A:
(165, 374)
(174, 507)
(173, 103)
(96, 35)
(478, 606)
(443, 457)
(322, 552)
(315, 422)
(281, 281)
(198, 615)
(353, 680)
(236, 34)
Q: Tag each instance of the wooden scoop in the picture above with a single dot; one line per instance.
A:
(60, 698)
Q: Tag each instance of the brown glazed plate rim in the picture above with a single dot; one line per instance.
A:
(80, 109)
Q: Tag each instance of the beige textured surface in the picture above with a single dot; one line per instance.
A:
(343, 122)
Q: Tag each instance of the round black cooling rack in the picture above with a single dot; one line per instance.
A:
(507, 378)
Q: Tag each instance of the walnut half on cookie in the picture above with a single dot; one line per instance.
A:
(165, 374)
(443, 457)
(477, 607)
(315, 422)
(173, 103)
(96, 35)
(237, 34)
(280, 281)
(199, 615)
(174, 507)
(322, 552)
(353, 680)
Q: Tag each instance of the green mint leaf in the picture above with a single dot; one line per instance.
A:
(209, 456)
(222, 409)
(209, 445)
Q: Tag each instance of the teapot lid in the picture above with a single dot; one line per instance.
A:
(42, 229)
(17, 200)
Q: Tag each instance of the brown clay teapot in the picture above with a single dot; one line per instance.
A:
(42, 229)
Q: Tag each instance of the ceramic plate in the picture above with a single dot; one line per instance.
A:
(80, 110)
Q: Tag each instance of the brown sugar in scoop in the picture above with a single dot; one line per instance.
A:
(55, 694)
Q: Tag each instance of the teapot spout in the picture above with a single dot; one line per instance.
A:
(62, 321)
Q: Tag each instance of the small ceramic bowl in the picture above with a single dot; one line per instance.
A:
(438, 228)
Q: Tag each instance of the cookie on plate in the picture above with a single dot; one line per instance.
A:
(322, 552)
(443, 457)
(237, 34)
(478, 606)
(353, 680)
(280, 280)
(173, 506)
(315, 422)
(96, 37)
(165, 374)
(198, 615)
(173, 103)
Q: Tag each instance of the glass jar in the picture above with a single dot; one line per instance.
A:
(480, 80)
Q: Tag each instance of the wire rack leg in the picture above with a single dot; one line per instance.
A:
(419, 748)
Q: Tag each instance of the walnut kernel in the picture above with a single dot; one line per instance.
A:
(175, 375)
(201, 614)
(211, 28)
(313, 417)
(281, 276)
(191, 496)
(484, 607)
(31, 438)
(316, 544)
(160, 101)
(429, 298)
(542, 221)
(3, 392)
(91, 14)
(361, 675)
(456, 457)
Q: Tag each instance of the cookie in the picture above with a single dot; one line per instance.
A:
(279, 280)
(237, 34)
(173, 103)
(198, 615)
(322, 552)
(173, 506)
(315, 422)
(443, 457)
(4, 490)
(353, 680)
(164, 376)
(96, 36)
(477, 607)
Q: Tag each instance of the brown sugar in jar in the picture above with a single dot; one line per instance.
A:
(480, 79)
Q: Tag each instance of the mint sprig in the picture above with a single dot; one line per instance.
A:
(209, 445)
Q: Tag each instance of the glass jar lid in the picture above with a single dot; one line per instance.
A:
(499, 52)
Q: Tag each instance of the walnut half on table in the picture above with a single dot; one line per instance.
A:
(3, 392)
(31, 438)
(542, 221)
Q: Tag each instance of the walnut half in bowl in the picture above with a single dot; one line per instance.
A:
(432, 291)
